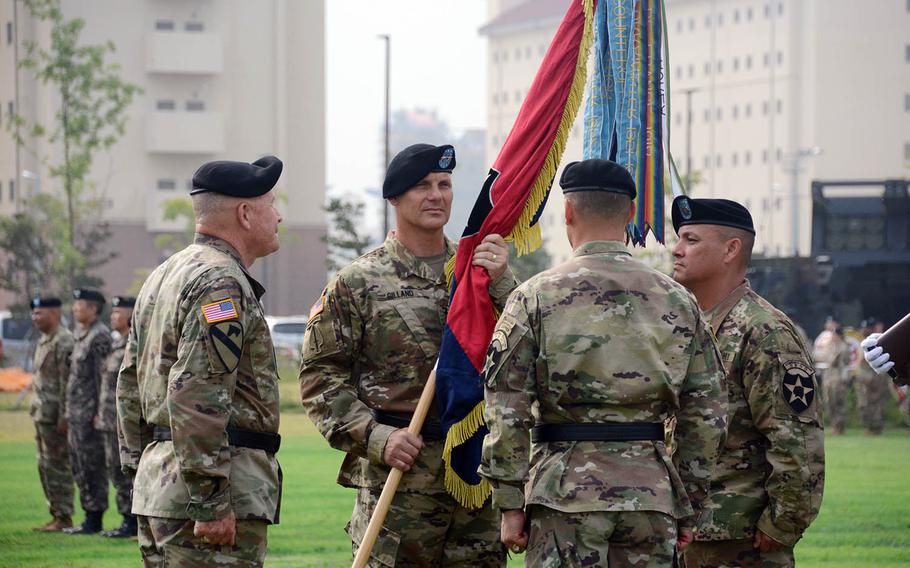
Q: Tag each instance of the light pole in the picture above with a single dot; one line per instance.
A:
(385, 204)
(794, 168)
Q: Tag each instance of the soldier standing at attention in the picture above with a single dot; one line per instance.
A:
(768, 483)
(872, 391)
(836, 380)
(86, 443)
(371, 342)
(197, 395)
(48, 411)
(587, 362)
(106, 420)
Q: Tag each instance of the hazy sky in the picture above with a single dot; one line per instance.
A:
(437, 62)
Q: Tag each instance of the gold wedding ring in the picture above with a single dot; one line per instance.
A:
(494, 256)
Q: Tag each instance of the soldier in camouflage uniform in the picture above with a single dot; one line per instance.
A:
(767, 487)
(834, 361)
(371, 342)
(106, 420)
(86, 443)
(872, 391)
(48, 411)
(586, 363)
(197, 395)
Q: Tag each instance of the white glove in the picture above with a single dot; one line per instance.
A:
(880, 361)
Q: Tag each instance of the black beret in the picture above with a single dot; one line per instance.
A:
(123, 302)
(597, 175)
(413, 164)
(88, 294)
(688, 211)
(238, 179)
(46, 302)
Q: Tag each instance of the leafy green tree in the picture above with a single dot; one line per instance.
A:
(528, 265)
(91, 117)
(344, 240)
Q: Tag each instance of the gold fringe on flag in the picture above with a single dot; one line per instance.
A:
(527, 239)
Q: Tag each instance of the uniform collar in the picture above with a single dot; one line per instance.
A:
(407, 263)
(225, 247)
(601, 247)
(83, 330)
(48, 337)
(719, 313)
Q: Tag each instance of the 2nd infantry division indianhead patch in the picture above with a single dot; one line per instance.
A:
(798, 386)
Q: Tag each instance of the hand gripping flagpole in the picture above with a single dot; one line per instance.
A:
(391, 484)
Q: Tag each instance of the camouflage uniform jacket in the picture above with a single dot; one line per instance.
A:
(602, 338)
(90, 350)
(199, 358)
(52, 369)
(107, 400)
(371, 342)
(770, 473)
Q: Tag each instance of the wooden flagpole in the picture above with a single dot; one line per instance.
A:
(391, 484)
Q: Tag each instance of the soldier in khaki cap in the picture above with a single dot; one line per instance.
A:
(197, 396)
(587, 362)
(48, 411)
(767, 487)
(371, 342)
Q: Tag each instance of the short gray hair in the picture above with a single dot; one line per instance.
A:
(602, 205)
(210, 204)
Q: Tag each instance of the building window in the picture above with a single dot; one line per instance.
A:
(780, 106)
(907, 53)
(766, 58)
(780, 57)
(679, 26)
(747, 110)
(747, 159)
(767, 11)
(764, 108)
(736, 63)
(194, 26)
(195, 106)
(718, 161)
(495, 99)
(907, 98)
(167, 184)
(764, 156)
(678, 119)
(10, 109)
(720, 67)
(164, 25)
(679, 71)
(12, 191)
(735, 112)
(707, 162)
(518, 96)
(707, 67)
(9, 33)
(527, 52)
(780, 9)
(517, 53)
(541, 50)
(691, 70)
(734, 159)
(779, 154)
(906, 151)
(505, 55)
(495, 56)
(735, 16)
(707, 115)
(720, 114)
(749, 14)
(748, 62)
(708, 19)
(720, 20)
(1, 191)
(691, 24)
(165, 104)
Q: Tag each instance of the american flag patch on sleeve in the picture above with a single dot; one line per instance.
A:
(219, 311)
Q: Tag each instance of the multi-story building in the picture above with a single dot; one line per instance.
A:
(232, 79)
(781, 92)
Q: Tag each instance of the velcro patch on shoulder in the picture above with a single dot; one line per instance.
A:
(798, 385)
(318, 306)
(227, 338)
(219, 311)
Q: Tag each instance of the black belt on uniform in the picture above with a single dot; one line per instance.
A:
(430, 430)
(601, 432)
(237, 437)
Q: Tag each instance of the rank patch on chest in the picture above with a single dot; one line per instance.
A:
(798, 386)
(219, 311)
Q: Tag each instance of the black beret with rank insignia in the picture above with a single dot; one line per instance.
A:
(123, 302)
(238, 179)
(88, 294)
(688, 211)
(413, 164)
(46, 302)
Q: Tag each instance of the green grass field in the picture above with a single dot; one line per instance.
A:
(865, 518)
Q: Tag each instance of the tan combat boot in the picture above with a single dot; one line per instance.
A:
(56, 524)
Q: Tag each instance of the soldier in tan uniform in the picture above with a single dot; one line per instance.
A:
(872, 391)
(106, 419)
(587, 362)
(197, 396)
(833, 355)
(48, 411)
(767, 487)
(371, 342)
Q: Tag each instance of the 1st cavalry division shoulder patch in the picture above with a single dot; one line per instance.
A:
(227, 337)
